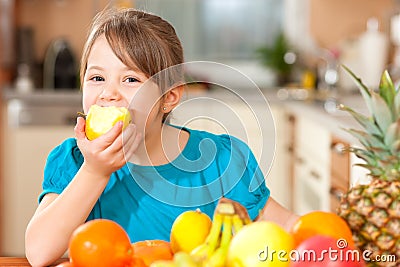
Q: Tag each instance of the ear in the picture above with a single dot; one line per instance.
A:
(171, 98)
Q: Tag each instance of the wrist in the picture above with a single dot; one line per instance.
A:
(96, 173)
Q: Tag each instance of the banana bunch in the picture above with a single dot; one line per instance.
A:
(214, 250)
(226, 223)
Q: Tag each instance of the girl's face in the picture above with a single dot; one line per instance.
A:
(109, 82)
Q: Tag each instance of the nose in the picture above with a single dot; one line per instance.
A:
(110, 94)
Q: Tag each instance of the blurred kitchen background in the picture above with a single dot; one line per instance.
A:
(291, 49)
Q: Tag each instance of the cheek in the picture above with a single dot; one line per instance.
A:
(146, 104)
(87, 100)
(146, 114)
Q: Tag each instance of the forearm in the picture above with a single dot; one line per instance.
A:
(49, 230)
(276, 213)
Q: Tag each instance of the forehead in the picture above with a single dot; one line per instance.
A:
(103, 49)
(99, 43)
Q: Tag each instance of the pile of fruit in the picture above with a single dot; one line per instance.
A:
(226, 240)
(104, 243)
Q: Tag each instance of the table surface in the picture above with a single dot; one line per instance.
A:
(18, 262)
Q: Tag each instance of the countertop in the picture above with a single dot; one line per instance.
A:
(335, 121)
(44, 97)
(21, 261)
(324, 112)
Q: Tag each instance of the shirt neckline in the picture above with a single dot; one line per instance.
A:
(184, 153)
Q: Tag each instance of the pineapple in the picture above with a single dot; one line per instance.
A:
(373, 210)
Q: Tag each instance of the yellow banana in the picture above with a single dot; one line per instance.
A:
(183, 259)
(237, 223)
(200, 252)
(218, 258)
(214, 250)
(212, 240)
(215, 230)
(226, 231)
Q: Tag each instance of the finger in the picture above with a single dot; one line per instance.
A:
(80, 128)
(110, 136)
(128, 137)
(129, 131)
(243, 214)
(242, 211)
(121, 139)
(223, 200)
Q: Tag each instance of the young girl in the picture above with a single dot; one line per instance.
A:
(122, 175)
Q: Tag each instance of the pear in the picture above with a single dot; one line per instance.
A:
(100, 120)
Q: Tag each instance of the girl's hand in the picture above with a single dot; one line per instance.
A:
(239, 208)
(109, 152)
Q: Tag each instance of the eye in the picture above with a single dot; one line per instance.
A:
(97, 79)
(131, 80)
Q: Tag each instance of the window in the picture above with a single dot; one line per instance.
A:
(219, 29)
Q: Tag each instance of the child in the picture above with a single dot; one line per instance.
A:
(122, 175)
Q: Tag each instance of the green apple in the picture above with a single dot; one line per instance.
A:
(100, 120)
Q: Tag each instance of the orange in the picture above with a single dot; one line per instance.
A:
(321, 223)
(100, 243)
(137, 262)
(189, 230)
(152, 250)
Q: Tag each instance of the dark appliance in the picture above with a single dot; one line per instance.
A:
(60, 68)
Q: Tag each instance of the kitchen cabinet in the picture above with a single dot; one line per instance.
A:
(279, 179)
(340, 171)
(311, 166)
(32, 125)
(24, 156)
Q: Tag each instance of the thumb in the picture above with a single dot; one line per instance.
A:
(80, 128)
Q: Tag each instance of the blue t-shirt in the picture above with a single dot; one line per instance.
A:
(145, 200)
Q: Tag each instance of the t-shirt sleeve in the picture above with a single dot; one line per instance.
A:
(250, 189)
(63, 162)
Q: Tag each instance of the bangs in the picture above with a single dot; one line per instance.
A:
(124, 52)
(135, 46)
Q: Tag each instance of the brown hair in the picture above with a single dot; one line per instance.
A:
(140, 40)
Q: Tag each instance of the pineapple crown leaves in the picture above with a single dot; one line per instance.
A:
(381, 138)
(364, 121)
